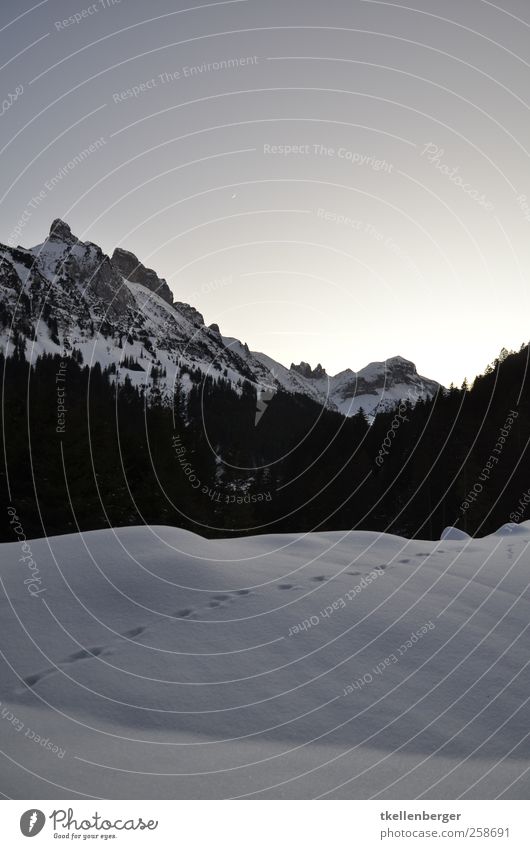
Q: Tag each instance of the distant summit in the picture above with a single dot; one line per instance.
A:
(376, 387)
(306, 371)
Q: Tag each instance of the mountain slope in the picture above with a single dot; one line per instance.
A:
(65, 294)
(376, 387)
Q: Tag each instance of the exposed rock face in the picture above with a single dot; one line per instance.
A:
(371, 379)
(60, 232)
(305, 370)
(130, 267)
(379, 377)
(66, 261)
(193, 316)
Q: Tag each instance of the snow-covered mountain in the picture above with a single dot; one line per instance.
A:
(376, 387)
(65, 295)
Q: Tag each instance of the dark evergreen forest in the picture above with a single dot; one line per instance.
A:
(107, 458)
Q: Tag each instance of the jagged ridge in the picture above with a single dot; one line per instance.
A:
(66, 294)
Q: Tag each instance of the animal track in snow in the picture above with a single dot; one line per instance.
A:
(82, 654)
(218, 600)
(134, 632)
(96, 651)
(31, 680)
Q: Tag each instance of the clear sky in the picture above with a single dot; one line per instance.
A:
(336, 182)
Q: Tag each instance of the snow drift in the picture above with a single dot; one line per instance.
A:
(152, 663)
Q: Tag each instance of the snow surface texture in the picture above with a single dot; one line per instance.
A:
(82, 288)
(336, 665)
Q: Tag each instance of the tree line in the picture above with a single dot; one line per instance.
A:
(202, 463)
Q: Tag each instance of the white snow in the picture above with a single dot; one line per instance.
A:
(342, 391)
(177, 337)
(161, 665)
(511, 528)
(269, 371)
(454, 533)
(346, 390)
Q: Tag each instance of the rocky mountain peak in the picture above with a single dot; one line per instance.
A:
(401, 363)
(66, 262)
(305, 370)
(60, 232)
(129, 266)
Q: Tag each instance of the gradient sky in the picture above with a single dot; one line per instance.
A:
(360, 244)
